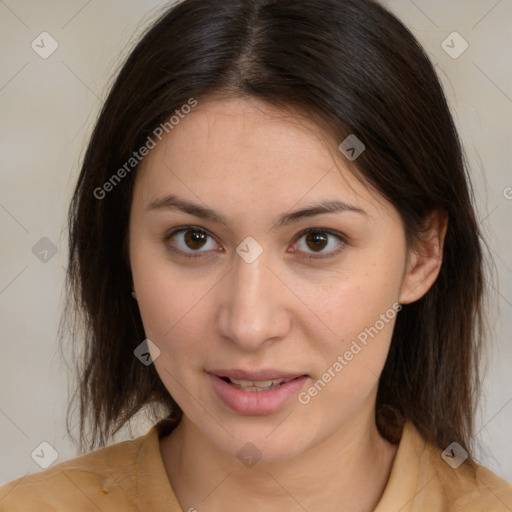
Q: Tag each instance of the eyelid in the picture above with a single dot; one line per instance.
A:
(308, 256)
(322, 255)
(187, 254)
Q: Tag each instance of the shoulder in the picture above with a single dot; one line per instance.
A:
(98, 480)
(425, 477)
(470, 487)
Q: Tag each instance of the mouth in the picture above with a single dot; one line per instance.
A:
(257, 385)
(256, 392)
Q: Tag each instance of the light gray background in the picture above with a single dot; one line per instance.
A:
(48, 107)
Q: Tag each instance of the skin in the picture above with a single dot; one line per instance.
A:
(251, 162)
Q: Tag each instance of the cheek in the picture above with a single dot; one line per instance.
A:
(173, 314)
(171, 302)
(350, 302)
(363, 326)
(351, 360)
(360, 309)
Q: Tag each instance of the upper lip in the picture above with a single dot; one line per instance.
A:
(256, 375)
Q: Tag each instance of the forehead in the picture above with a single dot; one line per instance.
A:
(232, 129)
(245, 150)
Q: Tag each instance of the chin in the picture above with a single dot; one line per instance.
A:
(269, 443)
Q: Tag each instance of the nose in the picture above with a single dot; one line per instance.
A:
(253, 304)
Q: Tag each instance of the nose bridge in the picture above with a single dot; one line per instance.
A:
(251, 312)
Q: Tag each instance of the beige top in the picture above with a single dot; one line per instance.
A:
(130, 476)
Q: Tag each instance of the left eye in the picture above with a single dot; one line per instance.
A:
(317, 239)
(194, 239)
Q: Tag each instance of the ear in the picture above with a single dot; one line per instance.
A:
(425, 258)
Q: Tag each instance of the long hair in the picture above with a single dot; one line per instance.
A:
(353, 67)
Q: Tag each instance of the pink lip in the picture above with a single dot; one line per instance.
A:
(266, 374)
(256, 402)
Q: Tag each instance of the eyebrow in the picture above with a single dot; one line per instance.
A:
(175, 203)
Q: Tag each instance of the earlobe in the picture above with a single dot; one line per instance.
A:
(425, 258)
(134, 295)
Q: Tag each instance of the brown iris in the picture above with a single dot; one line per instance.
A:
(195, 239)
(316, 238)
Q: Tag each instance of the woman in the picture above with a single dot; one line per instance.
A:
(272, 239)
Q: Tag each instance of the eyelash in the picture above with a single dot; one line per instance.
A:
(197, 254)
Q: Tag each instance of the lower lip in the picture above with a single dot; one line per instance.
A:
(256, 402)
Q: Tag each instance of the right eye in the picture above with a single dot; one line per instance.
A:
(189, 241)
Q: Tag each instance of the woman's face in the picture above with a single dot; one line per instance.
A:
(255, 298)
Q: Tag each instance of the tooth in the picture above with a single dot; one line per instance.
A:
(261, 385)
(265, 383)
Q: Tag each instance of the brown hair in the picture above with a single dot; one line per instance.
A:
(353, 66)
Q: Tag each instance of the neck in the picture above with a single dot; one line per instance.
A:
(347, 471)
